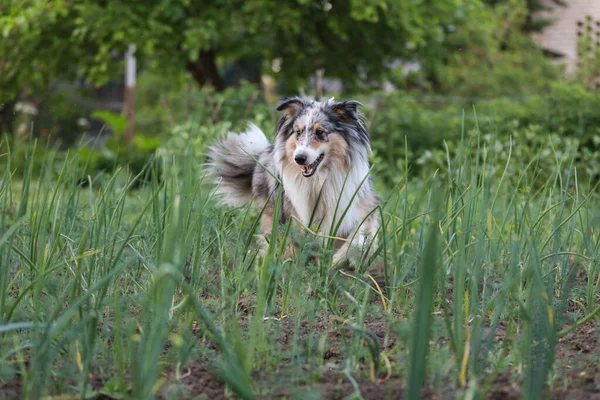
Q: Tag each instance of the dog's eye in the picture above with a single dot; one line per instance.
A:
(298, 132)
(319, 133)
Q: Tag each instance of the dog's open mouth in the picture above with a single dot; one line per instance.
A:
(309, 170)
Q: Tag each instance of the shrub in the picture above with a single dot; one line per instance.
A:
(162, 104)
(115, 152)
(566, 111)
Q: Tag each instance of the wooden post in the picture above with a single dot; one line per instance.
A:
(129, 106)
(319, 84)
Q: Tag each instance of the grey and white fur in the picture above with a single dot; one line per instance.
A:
(318, 146)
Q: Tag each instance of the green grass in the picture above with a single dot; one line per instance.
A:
(126, 290)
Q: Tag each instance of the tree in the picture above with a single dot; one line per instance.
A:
(29, 54)
(350, 39)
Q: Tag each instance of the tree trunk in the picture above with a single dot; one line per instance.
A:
(205, 72)
(129, 104)
(7, 118)
(129, 108)
(319, 84)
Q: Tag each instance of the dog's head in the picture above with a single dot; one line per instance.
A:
(316, 134)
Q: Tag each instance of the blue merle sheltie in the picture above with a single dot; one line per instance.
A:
(320, 156)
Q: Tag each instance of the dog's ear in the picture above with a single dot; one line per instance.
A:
(347, 110)
(291, 105)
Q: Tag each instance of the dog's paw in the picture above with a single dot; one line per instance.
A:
(263, 244)
(350, 254)
(341, 257)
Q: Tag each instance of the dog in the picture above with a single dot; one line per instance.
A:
(320, 160)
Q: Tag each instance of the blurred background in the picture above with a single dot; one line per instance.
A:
(123, 79)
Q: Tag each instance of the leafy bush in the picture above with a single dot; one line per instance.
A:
(543, 153)
(193, 139)
(209, 115)
(116, 152)
(163, 104)
(565, 112)
(495, 57)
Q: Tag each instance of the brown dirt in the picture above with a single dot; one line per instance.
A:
(196, 382)
(577, 362)
(503, 389)
(202, 384)
(577, 367)
(337, 389)
(11, 390)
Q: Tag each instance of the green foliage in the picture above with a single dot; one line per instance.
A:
(495, 58)
(29, 53)
(186, 118)
(117, 124)
(566, 117)
(588, 52)
(115, 151)
(534, 21)
(193, 137)
(162, 104)
(183, 35)
(352, 40)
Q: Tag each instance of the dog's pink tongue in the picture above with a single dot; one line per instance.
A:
(307, 169)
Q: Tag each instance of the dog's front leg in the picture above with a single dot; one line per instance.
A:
(358, 242)
(266, 224)
(290, 251)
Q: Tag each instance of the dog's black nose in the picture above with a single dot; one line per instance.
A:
(300, 159)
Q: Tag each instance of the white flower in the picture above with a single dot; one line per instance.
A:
(26, 108)
(424, 157)
(83, 122)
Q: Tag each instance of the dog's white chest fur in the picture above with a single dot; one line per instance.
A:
(303, 193)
